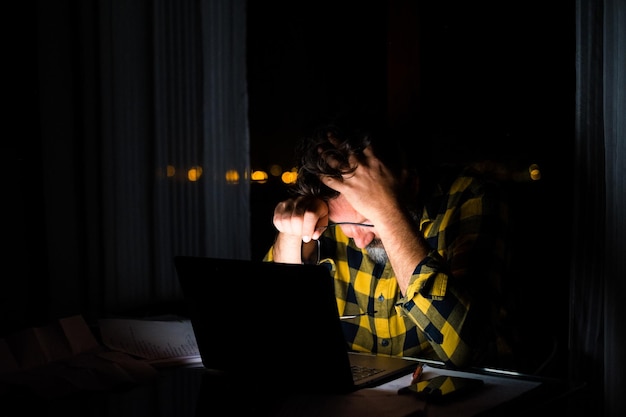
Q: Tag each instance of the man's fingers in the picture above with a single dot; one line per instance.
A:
(316, 216)
(368, 152)
(300, 217)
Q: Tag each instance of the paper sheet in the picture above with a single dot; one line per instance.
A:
(165, 342)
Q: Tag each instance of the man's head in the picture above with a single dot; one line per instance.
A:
(338, 140)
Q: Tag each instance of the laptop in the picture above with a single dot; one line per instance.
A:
(265, 321)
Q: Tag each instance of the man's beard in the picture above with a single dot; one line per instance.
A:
(375, 249)
(376, 252)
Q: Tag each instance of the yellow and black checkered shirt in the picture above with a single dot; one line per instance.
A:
(449, 308)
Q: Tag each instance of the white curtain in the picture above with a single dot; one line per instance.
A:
(145, 147)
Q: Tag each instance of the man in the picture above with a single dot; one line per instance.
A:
(416, 262)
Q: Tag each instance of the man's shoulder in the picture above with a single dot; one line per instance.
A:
(467, 181)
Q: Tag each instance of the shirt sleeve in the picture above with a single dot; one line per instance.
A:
(452, 294)
(438, 310)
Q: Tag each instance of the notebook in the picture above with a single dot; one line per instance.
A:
(275, 322)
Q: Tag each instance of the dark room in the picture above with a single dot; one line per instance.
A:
(145, 133)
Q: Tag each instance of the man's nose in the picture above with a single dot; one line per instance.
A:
(361, 237)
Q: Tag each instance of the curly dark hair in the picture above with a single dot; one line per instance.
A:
(340, 139)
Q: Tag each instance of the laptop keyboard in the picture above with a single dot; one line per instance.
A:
(360, 372)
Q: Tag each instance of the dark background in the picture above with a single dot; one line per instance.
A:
(491, 79)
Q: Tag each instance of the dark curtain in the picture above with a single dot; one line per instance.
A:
(598, 271)
(138, 151)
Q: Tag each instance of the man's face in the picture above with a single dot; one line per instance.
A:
(364, 237)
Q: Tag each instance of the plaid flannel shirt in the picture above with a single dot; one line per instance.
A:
(450, 307)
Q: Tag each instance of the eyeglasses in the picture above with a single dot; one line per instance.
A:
(346, 223)
(354, 316)
(314, 256)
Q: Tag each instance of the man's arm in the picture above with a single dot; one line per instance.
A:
(453, 293)
(404, 244)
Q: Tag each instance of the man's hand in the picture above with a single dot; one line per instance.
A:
(297, 220)
(301, 217)
(371, 189)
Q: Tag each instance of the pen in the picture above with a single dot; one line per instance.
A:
(417, 373)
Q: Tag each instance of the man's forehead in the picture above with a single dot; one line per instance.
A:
(340, 209)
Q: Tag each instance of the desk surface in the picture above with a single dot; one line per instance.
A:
(189, 392)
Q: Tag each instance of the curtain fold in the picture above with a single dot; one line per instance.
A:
(598, 284)
(614, 64)
(153, 160)
(589, 198)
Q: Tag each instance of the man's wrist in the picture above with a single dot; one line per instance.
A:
(287, 249)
